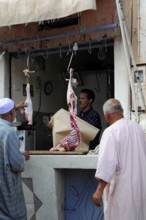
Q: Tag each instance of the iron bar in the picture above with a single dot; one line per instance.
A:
(62, 35)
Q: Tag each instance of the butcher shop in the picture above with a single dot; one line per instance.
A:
(50, 51)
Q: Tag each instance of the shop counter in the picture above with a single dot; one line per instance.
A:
(44, 179)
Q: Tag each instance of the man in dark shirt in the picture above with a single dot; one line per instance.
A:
(88, 114)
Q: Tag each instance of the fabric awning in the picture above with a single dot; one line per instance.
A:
(14, 12)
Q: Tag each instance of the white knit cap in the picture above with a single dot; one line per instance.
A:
(6, 105)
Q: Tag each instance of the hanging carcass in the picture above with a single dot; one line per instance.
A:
(72, 140)
(29, 107)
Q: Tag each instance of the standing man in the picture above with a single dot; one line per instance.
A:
(121, 168)
(88, 114)
(12, 163)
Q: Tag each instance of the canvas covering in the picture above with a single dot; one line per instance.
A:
(25, 11)
(62, 127)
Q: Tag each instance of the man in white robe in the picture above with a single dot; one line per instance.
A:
(12, 163)
(121, 167)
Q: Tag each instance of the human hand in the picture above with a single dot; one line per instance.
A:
(50, 124)
(26, 155)
(20, 105)
(97, 198)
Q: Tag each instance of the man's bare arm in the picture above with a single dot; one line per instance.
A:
(97, 196)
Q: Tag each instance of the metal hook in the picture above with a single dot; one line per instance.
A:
(19, 55)
(101, 53)
(46, 53)
(75, 47)
(105, 44)
(28, 52)
(90, 47)
(32, 52)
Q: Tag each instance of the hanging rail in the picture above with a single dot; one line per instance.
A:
(45, 52)
(62, 35)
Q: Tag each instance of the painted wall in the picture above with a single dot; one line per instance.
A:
(4, 76)
(122, 89)
(138, 30)
(142, 31)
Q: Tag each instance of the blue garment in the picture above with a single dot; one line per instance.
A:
(92, 117)
(12, 203)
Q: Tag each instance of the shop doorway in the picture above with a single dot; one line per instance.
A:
(94, 66)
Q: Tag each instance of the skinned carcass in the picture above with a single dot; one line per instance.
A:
(73, 139)
(28, 109)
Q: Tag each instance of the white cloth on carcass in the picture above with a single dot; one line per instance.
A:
(29, 108)
(61, 128)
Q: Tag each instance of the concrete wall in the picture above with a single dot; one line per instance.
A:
(122, 86)
(4, 76)
(43, 183)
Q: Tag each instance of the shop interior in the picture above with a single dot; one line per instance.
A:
(93, 64)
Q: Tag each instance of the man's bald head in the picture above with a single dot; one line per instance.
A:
(112, 106)
(113, 110)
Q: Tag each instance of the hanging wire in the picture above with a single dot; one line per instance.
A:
(70, 61)
(69, 47)
(105, 45)
(75, 48)
(19, 53)
(60, 51)
(28, 61)
(98, 84)
(20, 60)
(79, 15)
(2, 54)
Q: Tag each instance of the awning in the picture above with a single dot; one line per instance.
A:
(14, 12)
